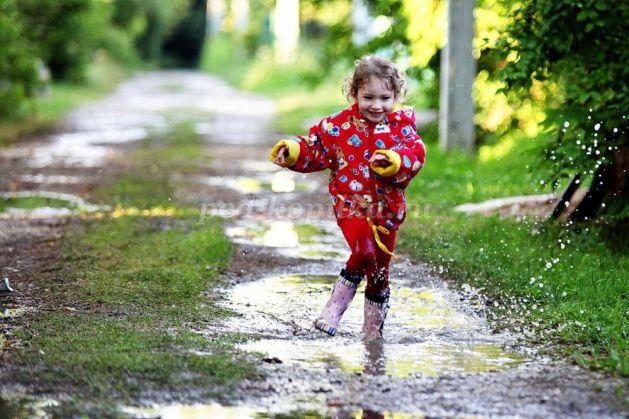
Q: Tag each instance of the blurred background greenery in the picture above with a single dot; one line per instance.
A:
(554, 71)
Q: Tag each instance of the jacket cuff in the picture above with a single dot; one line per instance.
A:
(393, 168)
(293, 151)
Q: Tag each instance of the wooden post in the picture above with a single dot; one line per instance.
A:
(458, 70)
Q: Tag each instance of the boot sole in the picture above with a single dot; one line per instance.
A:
(324, 327)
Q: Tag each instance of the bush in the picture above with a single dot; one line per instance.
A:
(580, 47)
(64, 32)
(18, 63)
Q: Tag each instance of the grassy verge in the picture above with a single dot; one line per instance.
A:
(103, 76)
(132, 292)
(567, 284)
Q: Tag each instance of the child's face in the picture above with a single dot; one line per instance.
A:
(375, 99)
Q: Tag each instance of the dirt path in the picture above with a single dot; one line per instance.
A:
(439, 358)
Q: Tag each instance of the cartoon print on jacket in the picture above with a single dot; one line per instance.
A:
(340, 159)
(355, 188)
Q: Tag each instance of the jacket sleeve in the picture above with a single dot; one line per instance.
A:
(308, 154)
(408, 157)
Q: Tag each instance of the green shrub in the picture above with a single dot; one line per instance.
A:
(580, 47)
(64, 32)
(18, 63)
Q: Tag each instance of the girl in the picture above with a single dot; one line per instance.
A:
(372, 152)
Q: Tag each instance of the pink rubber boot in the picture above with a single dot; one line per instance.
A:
(375, 313)
(341, 297)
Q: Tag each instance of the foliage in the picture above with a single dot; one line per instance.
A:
(18, 66)
(62, 38)
(64, 32)
(581, 47)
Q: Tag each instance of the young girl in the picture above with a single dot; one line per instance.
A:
(372, 152)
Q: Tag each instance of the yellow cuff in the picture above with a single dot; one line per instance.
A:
(293, 151)
(393, 168)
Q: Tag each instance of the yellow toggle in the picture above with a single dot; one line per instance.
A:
(376, 229)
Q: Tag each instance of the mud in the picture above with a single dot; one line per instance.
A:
(440, 356)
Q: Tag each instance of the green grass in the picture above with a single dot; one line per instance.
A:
(582, 303)
(103, 76)
(149, 182)
(33, 202)
(142, 279)
(131, 293)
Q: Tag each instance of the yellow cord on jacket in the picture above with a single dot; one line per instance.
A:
(376, 229)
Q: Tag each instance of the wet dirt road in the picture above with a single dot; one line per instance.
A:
(439, 357)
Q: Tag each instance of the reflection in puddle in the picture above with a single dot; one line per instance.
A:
(281, 234)
(278, 182)
(258, 166)
(23, 408)
(214, 410)
(309, 241)
(54, 179)
(83, 148)
(283, 182)
(242, 184)
(237, 412)
(425, 333)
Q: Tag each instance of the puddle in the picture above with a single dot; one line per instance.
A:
(42, 204)
(54, 179)
(84, 148)
(259, 166)
(232, 412)
(425, 333)
(24, 408)
(278, 182)
(213, 410)
(309, 241)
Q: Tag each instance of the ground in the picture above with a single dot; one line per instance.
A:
(182, 321)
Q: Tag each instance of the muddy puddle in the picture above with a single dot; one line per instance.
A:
(425, 334)
(25, 408)
(278, 182)
(308, 241)
(227, 412)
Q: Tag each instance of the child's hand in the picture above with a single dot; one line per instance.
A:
(282, 154)
(379, 160)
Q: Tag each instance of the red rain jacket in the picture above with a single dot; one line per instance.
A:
(344, 142)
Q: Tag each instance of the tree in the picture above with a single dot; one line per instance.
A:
(581, 47)
(64, 32)
(18, 62)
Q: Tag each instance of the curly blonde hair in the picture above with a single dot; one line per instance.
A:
(373, 65)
